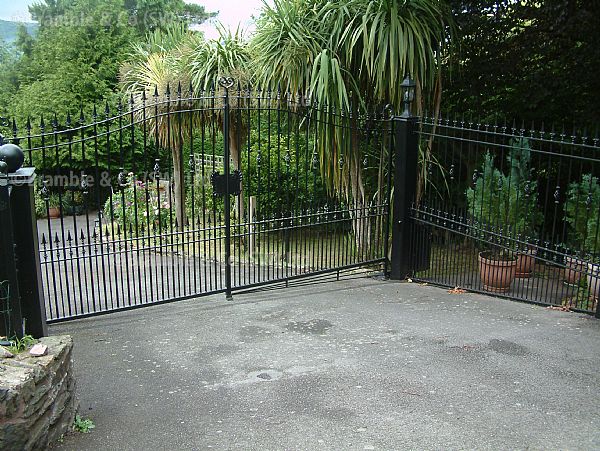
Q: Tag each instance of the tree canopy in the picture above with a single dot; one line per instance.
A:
(525, 60)
(74, 59)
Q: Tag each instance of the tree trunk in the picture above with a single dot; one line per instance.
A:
(179, 186)
(236, 157)
(361, 223)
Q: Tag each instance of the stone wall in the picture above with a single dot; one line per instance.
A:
(37, 396)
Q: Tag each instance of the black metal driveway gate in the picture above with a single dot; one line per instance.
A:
(180, 194)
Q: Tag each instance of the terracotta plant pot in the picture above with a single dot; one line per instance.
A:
(593, 279)
(496, 274)
(54, 212)
(573, 270)
(525, 263)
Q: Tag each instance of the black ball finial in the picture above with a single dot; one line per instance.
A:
(13, 156)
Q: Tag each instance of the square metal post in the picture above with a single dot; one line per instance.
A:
(12, 321)
(405, 186)
(25, 234)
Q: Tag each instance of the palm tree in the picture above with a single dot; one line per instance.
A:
(226, 56)
(179, 57)
(159, 65)
(351, 46)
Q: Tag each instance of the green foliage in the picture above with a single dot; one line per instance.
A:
(54, 200)
(9, 31)
(581, 213)
(8, 76)
(24, 40)
(226, 56)
(506, 202)
(528, 60)
(40, 204)
(336, 49)
(83, 425)
(73, 202)
(139, 205)
(21, 344)
(73, 62)
(200, 204)
(287, 178)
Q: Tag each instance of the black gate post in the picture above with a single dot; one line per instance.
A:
(10, 309)
(25, 232)
(405, 184)
(227, 83)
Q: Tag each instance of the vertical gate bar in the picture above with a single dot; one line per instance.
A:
(388, 217)
(258, 184)
(240, 198)
(99, 217)
(226, 169)
(179, 253)
(136, 237)
(62, 227)
(84, 195)
(205, 254)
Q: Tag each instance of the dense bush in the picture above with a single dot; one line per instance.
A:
(581, 213)
(140, 206)
(506, 202)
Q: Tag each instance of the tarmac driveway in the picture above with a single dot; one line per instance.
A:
(356, 364)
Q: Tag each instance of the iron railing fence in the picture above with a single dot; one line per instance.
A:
(138, 220)
(5, 311)
(509, 210)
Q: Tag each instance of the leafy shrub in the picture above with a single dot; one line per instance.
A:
(83, 425)
(140, 204)
(200, 195)
(19, 345)
(581, 213)
(287, 179)
(508, 202)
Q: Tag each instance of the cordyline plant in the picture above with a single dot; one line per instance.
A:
(170, 70)
(153, 78)
(350, 55)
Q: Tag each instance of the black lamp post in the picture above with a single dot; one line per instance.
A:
(408, 86)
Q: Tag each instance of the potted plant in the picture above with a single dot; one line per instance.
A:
(504, 215)
(593, 279)
(497, 270)
(54, 206)
(73, 203)
(524, 215)
(582, 216)
(573, 266)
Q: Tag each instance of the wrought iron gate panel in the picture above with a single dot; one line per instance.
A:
(497, 196)
(139, 222)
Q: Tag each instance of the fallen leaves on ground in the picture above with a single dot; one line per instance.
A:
(457, 290)
(562, 308)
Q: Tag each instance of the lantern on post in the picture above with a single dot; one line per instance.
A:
(408, 86)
